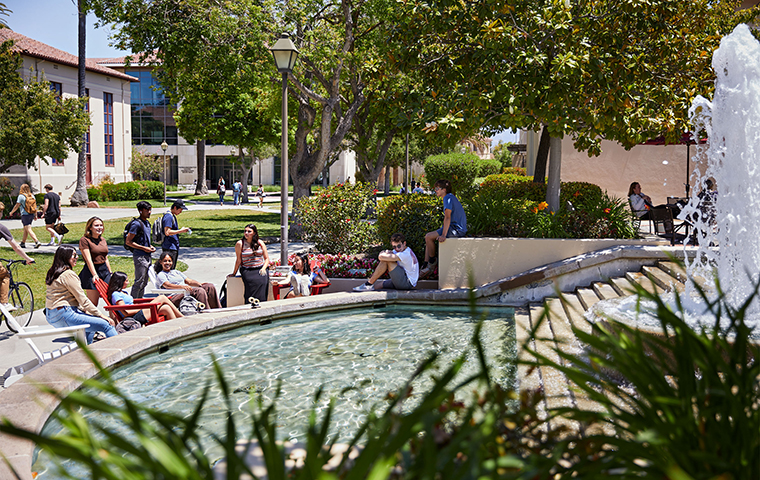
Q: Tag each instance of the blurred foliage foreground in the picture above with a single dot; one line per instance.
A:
(690, 408)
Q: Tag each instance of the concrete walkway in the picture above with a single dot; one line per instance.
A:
(204, 264)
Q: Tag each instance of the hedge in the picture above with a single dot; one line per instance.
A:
(458, 168)
(411, 215)
(135, 190)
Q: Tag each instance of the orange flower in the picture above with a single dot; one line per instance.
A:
(543, 205)
(535, 210)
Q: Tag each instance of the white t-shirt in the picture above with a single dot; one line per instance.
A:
(408, 261)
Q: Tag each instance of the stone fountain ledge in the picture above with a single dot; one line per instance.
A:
(26, 406)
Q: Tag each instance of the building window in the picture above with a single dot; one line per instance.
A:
(108, 127)
(88, 156)
(152, 114)
(58, 89)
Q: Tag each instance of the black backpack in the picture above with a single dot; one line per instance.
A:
(126, 232)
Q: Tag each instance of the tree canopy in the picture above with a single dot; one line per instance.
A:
(34, 122)
(594, 69)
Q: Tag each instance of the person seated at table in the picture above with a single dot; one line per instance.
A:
(118, 296)
(66, 304)
(641, 203)
(166, 277)
(301, 277)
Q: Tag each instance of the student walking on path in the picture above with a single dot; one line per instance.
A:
(52, 211)
(138, 239)
(454, 225)
(28, 207)
(171, 228)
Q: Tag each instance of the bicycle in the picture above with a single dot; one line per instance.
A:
(20, 296)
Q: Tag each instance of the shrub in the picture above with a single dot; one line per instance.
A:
(146, 166)
(458, 168)
(335, 218)
(508, 205)
(515, 171)
(412, 215)
(488, 166)
(136, 190)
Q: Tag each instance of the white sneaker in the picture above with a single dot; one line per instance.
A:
(50, 243)
(9, 307)
(364, 287)
(59, 238)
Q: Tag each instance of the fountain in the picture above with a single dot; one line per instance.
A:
(731, 158)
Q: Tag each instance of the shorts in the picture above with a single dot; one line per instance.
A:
(26, 219)
(398, 281)
(50, 218)
(452, 233)
(140, 317)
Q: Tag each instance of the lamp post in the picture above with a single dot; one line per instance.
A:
(164, 146)
(285, 54)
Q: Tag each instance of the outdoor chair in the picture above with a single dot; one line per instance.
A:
(115, 310)
(637, 219)
(153, 289)
(662, 218)
(316, 289)
(32, 332)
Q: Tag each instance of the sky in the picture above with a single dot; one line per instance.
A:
(54, 22)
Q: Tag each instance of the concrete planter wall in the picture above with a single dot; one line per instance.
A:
(346, 284)
(491, 259)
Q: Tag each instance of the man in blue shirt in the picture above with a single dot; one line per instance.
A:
(172, 231)
(454, 225)
(138, 239)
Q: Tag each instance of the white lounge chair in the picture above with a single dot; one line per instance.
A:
(153, 289)
(28, 333)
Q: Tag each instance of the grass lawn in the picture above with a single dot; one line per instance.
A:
(211, 228)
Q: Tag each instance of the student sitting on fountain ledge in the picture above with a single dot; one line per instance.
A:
(400, 263)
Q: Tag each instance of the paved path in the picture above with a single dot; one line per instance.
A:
(205, 264)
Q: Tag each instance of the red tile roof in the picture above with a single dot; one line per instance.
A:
(33, 48)
(138, 60)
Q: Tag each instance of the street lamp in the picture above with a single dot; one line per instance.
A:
(285, 54)
(164, 146)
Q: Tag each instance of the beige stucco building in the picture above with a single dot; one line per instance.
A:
(109, 142)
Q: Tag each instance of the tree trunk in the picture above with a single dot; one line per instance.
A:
(246, 167)
(200, 186)
(387, 183)
(79, 198)
(555, 163)
(539, 173)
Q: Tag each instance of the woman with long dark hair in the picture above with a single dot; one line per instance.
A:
(252, 260)
(95, 255)
(119, 296)
(66, 304)
(167, 277)
(301, 277)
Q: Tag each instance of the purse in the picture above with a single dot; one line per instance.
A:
(60, 228)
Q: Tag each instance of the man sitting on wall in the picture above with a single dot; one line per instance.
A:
(400, 263)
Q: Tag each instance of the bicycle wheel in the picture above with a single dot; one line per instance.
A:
(21, 297)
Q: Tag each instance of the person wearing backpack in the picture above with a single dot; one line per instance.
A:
(27, 205)
(137, 240)
(236, 190)
(171, 231)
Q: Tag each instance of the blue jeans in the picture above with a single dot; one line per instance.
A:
(72, 316)
(235, 197)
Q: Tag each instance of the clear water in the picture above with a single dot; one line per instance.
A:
(372, 350)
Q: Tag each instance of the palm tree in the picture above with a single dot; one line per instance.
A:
(80, 193)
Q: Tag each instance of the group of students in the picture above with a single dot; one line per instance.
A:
(26, 205)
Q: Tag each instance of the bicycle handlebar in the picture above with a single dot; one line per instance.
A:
(9, 262)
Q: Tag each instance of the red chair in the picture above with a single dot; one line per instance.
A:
(316, 289)
(141, 303)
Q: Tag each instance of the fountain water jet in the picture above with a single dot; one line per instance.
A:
(732, 158)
